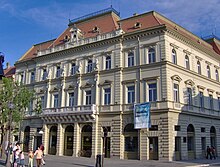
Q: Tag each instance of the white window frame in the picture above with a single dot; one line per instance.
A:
(131, 59)
(176, 93)
(217, 75)
(208, 71)
(108, 62)
(108, 94)
(58, 71)
(150, 89)
(174, 56)
(129, 101)
(71, 99)
(199, 68)
(151, 55)
(55, 100)
(88, 96)
(89, 66)
(187, 62)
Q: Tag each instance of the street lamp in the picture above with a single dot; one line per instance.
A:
(10, 106)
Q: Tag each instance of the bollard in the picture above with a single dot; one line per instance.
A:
(98, 161)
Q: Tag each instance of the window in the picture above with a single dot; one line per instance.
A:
(202, 129)
(108, 63)
(177, 128)
(131, 94)
(42, 99)
(203, 142)
(107, 96)
(89, 67)
(176, 93)
(71, 99)
(88, 97)
(199, 67)
(208, 72)
(174, 58)
(130, 59)
(211, 106)
(58, 73)
(151, 55)
(153, 128)
(44, 77)
(189, 91)
(216, 75)
(187, 62)
(152, 92)
(201, 99)
(22, 78)
(32, 77)
(73, 69)
(56, 101)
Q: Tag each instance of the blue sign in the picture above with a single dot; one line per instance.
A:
(142, 116)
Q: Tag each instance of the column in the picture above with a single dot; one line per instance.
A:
(45, 138)
(95, 137)
(76, 140)
(60, 139)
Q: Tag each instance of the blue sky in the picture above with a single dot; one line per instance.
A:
(24, 23)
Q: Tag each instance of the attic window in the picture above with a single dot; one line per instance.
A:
(95, 29)
(66, 38)
(137, 25)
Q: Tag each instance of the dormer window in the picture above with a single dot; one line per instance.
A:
(137, 25)
(66, 38)
(95, 29)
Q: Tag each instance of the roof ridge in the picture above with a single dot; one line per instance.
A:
(156, 17)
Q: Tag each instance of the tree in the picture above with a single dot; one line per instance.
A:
(14, 100)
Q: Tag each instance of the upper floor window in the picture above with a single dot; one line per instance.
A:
(32, 76)
(152, 92)
(107, 96)
(176, 92)
(130, 59)
(216, 75)
(22, 78)
(174, 57)
(88, 97)
(73, 69)
(108, 63)
(58, 73)
(211, 105)
(189, 91)
(44, 74)
(208, 72)
(201, 99)
(89, 67)
(131, 94)
(71, 99)
(199, 67)
(42, 99)
(187, 65)
(56, 101)
(151, 55)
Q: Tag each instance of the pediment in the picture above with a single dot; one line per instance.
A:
(176, 78)
(189, 82)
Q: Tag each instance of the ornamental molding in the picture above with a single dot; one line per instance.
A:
(176, 78)
(189, 82)
(201, 87)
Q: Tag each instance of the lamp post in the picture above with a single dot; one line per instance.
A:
(10, 106)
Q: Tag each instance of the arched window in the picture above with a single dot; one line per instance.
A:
(108, 63)
(174, 58)
(151, 55)
(187, 62)
(130, 59)
(208, 72)
(199, 67)
(216, 75)
(89, 67)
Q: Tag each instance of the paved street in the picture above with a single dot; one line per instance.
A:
(64, 161)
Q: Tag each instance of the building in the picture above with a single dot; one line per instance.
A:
(89, 78)
(9, 71)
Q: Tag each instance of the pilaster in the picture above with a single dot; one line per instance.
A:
(60, 139)
(76, 140)
(95, 137)
(45, 138)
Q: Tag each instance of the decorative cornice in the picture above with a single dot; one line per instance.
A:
(189, 82)
(201, 87)
(210, 90)
(176, 78)
(129, 81)
(174, 46)
(199, 58)
(106, 82)
(187, 52)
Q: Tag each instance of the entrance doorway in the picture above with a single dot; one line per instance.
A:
(53, 140)
(153, 148)
(191, 141)
(68, 141)
(26, 139)
(177, 148)
(86, 141)
(107, 141)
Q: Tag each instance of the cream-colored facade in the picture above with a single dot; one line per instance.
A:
(88, 88)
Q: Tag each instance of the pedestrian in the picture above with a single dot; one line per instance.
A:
(42, 149)
(30, 159)
(208, 153)
(16, 146)
(39, 155)
(21, 162)
(10, 152)
(212, 150)
(17, 158)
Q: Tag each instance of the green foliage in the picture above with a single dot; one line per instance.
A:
(19, 96)
(38, 107)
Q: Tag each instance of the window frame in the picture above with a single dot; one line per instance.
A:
(151, 55)
(199, 68)
(208, 70)
(88, 97)
(187, 62)
(89, 66)
(107, 96)
(217, 75)
(108, 62)
(152, 91)
(130, 59)
(71, 99)
(56, 100)
(176, 93)
(130, 94)
(174, 56)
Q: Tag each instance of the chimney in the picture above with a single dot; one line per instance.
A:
(7, 65)
(135, 14)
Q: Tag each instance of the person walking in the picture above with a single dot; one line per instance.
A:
(208, 153)
(10, 152)
(39, 155)
(30, 159)
(42, 160)
(212, 150)
(21, 162)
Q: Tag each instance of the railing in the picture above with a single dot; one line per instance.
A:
(77, 43)
(84, 108)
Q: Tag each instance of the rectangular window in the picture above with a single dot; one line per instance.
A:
(131, 143)
(203, 142)
(202, 129)
(107, 96)
(152, 92)
(211, 102)
(22, 78)
(32, 77)
(73, 69)
(153, 128)
(44, 77)
(108, 63)
(42, 102)
(58, 73)
(201, 99)
(176, 93)
(130, 59)
(56, 101)
(71, 99)
(177, 127)
(88, 97)
(131, 94)
(189, 91)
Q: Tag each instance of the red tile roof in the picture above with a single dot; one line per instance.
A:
(9, 72)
